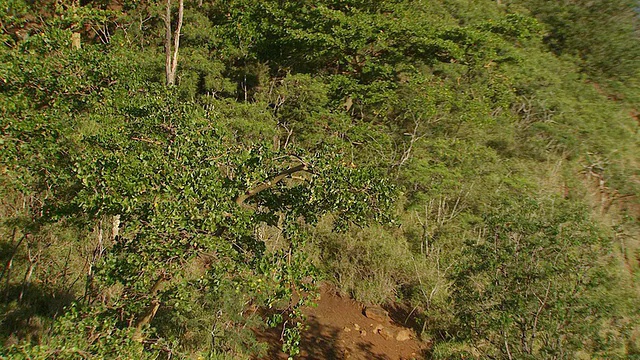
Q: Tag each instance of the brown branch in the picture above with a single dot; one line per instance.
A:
(543, 303)
(149, 314)
(7, 267)
(167, 43)
(147, 140)
(269, 183)
(151, 310)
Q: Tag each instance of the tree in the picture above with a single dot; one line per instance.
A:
(530, 286)
(603, 34)
(190, 199)
(171, 50)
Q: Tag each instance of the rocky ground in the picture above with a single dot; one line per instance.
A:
(340, 328)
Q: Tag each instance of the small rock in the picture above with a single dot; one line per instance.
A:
(346, 354)
(403, 335)
(386, 333)
(363, 333)
(376, 313)
(378, 329)
(356, 326)
(346, 329)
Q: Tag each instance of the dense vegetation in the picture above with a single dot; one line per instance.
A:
(176, 174)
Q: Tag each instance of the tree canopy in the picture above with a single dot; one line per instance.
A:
(176, 175)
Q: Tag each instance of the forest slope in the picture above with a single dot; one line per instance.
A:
(177, 174)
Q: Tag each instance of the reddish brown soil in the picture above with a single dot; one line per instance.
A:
(333, 334)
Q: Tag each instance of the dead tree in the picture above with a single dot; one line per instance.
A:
(171, 48)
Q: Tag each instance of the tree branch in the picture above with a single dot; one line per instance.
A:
(151, 310)
(543, 302)
(269, 183)
(167, 42)
(176, 44)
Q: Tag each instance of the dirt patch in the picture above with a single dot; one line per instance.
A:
(338, 329)
(635, 115)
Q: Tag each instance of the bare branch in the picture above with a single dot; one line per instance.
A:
(167, 42)
(146, 140)
(543, 302)
(151, 310)
(414, 137)
(269, 183)
(176, 43)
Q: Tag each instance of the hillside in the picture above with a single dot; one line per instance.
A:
(179, 177)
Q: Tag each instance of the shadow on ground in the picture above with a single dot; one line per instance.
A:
(319, 342)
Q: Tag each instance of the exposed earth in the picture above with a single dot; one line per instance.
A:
(341, 328)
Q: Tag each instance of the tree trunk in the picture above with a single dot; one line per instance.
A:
(151, 310)
(171, 55)
(75, 41)
(269, 183)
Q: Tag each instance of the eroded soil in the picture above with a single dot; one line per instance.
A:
(338, 329)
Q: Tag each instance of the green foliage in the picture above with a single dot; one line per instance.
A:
(531, 285)
(173, 178)
(369, 264)
(159, 221)
(79, 337)
(603, 34)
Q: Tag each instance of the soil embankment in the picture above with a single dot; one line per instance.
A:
(339, 329)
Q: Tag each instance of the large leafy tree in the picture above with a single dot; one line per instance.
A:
(174, 199)
(530, 285)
